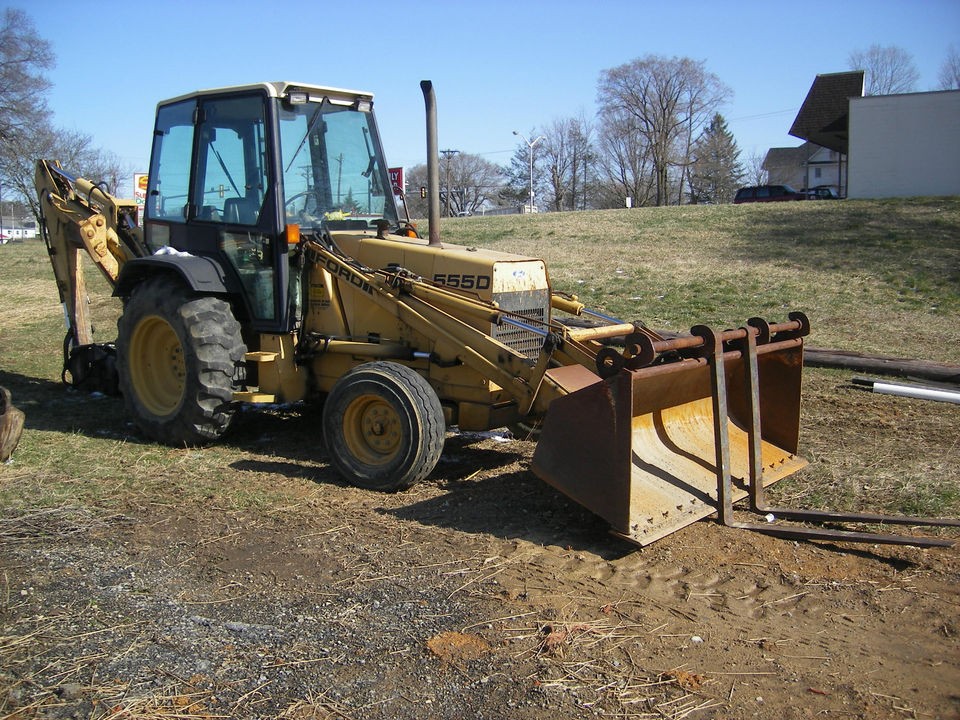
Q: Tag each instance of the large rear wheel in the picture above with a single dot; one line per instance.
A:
(178, 361)
(383, 426)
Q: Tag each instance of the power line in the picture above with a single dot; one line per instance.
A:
(765, 115)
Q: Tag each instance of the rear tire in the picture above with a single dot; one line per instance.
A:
(383, 426)
(178, 358)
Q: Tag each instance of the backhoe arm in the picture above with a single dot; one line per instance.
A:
(78, 217)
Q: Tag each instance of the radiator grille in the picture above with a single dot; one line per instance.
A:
(533, 307)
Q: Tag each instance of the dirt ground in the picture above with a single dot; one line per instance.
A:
(480, 593)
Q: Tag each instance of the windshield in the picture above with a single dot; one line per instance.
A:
(333, 168)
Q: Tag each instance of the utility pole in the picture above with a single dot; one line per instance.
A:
(447, 154)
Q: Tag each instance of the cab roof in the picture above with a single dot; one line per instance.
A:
(278, 89)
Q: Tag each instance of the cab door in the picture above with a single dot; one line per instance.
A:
(218, 200)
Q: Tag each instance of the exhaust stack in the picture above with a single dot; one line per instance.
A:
(433, 163)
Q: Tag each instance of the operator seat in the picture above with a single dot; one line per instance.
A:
(240, 211)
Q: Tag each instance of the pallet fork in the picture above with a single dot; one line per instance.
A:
(747, 338)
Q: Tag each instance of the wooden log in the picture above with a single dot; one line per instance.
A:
(882, 365)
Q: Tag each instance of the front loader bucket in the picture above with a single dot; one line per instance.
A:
(645, 449)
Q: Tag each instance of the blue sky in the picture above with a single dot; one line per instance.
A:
(497, 66)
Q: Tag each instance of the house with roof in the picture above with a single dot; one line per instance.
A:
(886, 145)
(805, 166)
(14, 230)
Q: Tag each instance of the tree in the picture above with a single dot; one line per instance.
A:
(467, 181)
(75, 151)
(567, 153)
(516, 189)
(416, 178)
(26, 133)
(949, 75)
(625, 162)
(703, 94)
(715, 171)
(887, 70)
(667, 101)
(24, 56)
(754, 172)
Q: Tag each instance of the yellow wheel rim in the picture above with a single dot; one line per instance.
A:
(157, 367)
(372, 430)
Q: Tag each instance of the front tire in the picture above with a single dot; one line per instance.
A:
(383, 426)
(178, 359)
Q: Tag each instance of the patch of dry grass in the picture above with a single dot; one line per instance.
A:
(594, 661)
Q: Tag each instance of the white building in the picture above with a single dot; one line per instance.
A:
(16, 230)
(905, 145)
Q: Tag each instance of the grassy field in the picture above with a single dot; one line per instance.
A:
(879, 277)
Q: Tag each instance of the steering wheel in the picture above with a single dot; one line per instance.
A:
(309, 207)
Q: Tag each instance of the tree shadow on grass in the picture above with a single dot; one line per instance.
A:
(884, 240)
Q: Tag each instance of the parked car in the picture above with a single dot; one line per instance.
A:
(767, 193)
(823, 192)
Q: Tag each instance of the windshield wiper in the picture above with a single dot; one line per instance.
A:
(310, 128)
(375, 180)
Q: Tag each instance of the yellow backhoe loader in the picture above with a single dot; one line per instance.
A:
(274, 267)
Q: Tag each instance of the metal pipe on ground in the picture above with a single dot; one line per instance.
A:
(918, 392)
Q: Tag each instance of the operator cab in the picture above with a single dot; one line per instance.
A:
(232, 168)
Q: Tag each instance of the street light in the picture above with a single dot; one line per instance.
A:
(530, 146)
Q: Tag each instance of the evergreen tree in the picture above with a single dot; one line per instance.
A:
(716, 172)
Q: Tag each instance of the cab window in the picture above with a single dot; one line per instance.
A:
(229, 191)
(169, 180)
(232, 174)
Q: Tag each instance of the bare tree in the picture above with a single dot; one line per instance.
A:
(753, 171)
(565, 157)
(582, 169)
(26, 133)
(24, 56)
(557, 156)
(625, 162)
(670, 101)
(888, 70)
(75, 151)
(949, 75)
(473, 182)
(703, 94)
